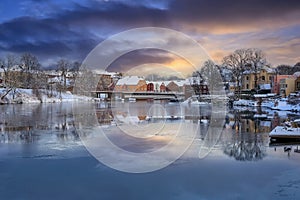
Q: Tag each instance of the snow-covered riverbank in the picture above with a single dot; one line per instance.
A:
(19, 95)
(280, 104)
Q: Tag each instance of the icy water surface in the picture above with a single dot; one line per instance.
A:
(42, 156)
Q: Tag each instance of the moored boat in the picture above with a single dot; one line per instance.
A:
(285, 133)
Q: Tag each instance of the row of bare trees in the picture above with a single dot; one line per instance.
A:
(25, 71)
(237, 62)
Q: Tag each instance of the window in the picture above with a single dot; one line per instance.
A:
(247, 86)
(263, 78)
(247, 78)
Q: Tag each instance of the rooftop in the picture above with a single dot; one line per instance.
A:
(129, 80)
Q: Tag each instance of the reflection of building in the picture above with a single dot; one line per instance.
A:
(104, 117)
(264, 127)
(252, 79)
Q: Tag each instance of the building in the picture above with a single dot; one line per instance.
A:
(150, 87)
(287, 86)
(284, 85)
(194, 86)
(173, 87)
(162, 87)
(256, 80)
(131, 84)
(276, 82)
(297, 81)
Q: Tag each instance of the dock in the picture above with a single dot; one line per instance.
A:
(285, 133)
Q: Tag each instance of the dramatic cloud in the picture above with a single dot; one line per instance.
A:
(70, 29)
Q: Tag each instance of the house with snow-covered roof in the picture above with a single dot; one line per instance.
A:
(256, 79)
(131, 84)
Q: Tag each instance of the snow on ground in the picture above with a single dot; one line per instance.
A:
(284, 106)
(244, 102)
(281, 105)
(194, 101)
(19, 95)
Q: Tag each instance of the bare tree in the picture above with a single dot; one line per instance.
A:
(63, 66)
(238, 62)
(30, 62)
(31, 66)
(10, 79)
(86, 82)
(244, 59)
(257, 60)
(211, 75)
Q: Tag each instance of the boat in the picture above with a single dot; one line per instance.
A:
(131, 99)
(285, 133)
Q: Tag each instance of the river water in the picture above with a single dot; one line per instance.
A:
(47, 152)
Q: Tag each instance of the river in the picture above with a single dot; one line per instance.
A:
(55, 151)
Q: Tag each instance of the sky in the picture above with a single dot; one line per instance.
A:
(70, 29)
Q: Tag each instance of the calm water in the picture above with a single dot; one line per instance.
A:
(42, 155)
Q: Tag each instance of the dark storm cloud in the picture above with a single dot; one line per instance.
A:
(139, 57)
(73, 30)
(70, 32)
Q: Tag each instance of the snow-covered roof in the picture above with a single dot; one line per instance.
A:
(100, 72)
(159, 82)
(180, 83)
(54, 80)
(266, 68)
(296, 74)
(129, 80)
(53, 73)
(269, 69)
(16, 68)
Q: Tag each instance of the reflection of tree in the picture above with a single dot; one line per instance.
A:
(245, 150)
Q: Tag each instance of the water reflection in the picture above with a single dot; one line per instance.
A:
(244, 137)
(30, 123)
(246, 149)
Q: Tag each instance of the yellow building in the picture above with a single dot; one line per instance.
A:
(263, 77)
(287, 86)
(297, 82)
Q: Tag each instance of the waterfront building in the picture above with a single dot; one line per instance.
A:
(257, 79)
(131, 84)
